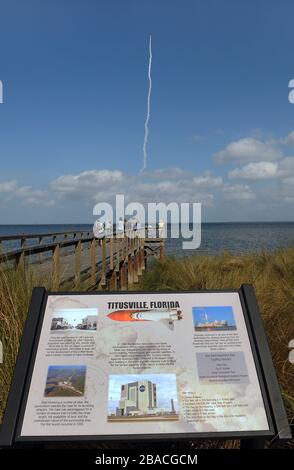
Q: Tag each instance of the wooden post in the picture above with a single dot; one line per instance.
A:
(140, 256)
(103, 260)
(126, 244)
(143, 255)
(126, 257)
(20, 262)
(78, 263)
(117, 254)
(40, 254)
(113, 280)
(130, 270)
(123, 268)
(130, 261)
(161, 249)
(56, 267)
(136, 279)
(123, 246)
(93, 261)
(139, 259)
(122, 276)
(111, 253)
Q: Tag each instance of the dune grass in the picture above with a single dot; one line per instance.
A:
(271, 274)
(16, 286)
(15, 292)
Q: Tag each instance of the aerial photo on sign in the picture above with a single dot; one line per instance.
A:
(65, 381)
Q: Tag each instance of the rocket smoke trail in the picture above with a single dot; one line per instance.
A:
(148, 109)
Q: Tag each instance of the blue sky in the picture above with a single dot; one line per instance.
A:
(213, 313)
(74, 77)
(166, 388)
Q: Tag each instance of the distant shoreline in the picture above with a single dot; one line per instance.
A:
(72, 224)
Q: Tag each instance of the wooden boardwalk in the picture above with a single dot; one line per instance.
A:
(68, 259)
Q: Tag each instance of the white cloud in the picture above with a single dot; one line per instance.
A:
(170, 184)
(286, 167)
(87, 180)
(241, 192)
(8, 186)
(248, 149)
(255, 171)
(259, 159)
(207, 181)
(26, 194)
(265, 170)
(289, 139)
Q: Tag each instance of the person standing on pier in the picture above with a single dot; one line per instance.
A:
(161, 228)
(108, 229)
(120, 226)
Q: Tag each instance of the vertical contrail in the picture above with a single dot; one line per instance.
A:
(148, 109)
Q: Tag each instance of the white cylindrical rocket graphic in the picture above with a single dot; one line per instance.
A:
(168, 316)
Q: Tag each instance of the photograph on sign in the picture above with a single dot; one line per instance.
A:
(73, 320)
(155, 363)
(65, 381)
(213, 318)
(147, 397)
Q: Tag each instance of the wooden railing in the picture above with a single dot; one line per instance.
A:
(72, 258)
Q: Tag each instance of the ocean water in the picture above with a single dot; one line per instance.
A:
(237, 238)
(215, 237)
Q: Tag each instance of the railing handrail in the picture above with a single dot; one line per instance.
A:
(22, 236)
(36, 249)
(28, 250)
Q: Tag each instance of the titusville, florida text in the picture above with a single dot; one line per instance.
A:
(152, 304)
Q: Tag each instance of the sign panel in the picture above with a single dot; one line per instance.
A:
(144, 364)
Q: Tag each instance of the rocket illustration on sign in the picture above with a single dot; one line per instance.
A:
(167, 317)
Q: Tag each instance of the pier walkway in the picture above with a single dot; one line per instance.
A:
(68, 259)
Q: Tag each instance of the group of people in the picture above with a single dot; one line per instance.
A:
(131, 225)
(105, 229)
(100, 229)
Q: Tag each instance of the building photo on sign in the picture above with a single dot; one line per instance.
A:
(74, 320)
(147, 397)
